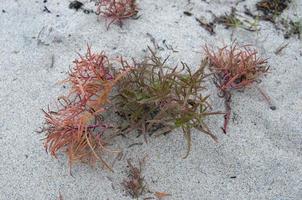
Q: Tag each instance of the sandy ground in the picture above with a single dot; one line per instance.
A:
(260, 158)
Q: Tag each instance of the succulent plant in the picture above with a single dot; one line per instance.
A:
(157, 98)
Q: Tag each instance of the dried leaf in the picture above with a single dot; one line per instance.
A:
(161, 195)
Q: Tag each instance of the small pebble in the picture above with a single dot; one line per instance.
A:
(273, 107)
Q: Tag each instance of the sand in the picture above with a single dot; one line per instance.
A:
(260, 157)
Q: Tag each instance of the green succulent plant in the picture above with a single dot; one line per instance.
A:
(156, 98)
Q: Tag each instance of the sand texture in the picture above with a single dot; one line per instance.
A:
(259, 158)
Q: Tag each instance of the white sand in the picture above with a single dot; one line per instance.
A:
(263, 148)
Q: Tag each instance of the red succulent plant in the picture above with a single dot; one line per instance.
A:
(235, 67)
(77, 126)
(117, 10)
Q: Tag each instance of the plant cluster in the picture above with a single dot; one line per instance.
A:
(157, 98)
(150, 96)
(235, 68)
(117, 10)
(272, 8)
(77, 126)
(135, 183)
(292, 28)
(231, 20)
